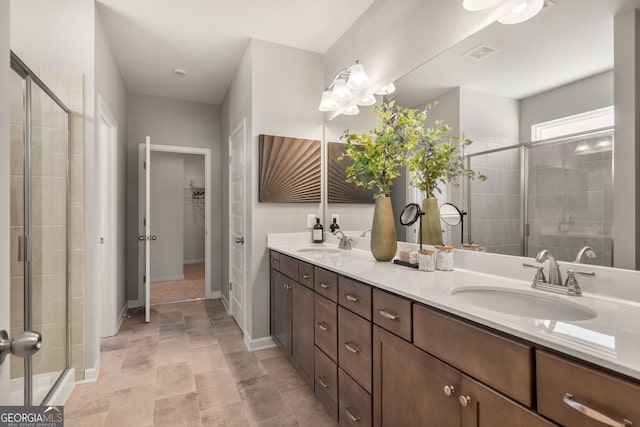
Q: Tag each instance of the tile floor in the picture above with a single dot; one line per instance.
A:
(192, 287)
(190, 367)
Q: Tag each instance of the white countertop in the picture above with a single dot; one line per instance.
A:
(610, 340)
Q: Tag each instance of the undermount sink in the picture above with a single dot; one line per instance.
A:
(523, 303)
(321, 250)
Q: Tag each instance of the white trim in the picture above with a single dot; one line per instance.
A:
(258, 343)
(167, 279)
(216, 295)
(64, 390)
(576, 123)
(193, 261)
(106, 272)
(207, 206)
(135, 303)
(123, 312)
(225, 303)
(91, 374)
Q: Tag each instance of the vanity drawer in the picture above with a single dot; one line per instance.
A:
(327, 383)
(504, 364)
(326, 283)
(354, 347)
(305, 274)
(355, 296)
(289, 266)
(275, 260)
(609, 395)
(326, 325)
(393, 313)
(354, 402)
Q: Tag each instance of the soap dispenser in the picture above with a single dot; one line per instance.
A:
(334, 226)
(317, 234)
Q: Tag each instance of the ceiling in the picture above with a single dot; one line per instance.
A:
(567, 42)
(208, 38)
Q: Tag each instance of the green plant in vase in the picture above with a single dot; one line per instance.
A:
(438, 159)
(377, 159)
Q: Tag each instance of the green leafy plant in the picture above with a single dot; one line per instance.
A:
(378, 156)
(438, 157)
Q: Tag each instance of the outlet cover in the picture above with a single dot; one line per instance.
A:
(311, 220)
(336, 217)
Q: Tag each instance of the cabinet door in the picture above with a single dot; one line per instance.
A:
(410, 385)
(302, 329)
(281, 311)
(484, 407)
(354, 347)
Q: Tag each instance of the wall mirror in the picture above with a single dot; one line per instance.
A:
(537, 100)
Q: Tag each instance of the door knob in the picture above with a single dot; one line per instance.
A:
(154, 238)
(142, 238)
(240, 240)
(24, 345)
(464, 401)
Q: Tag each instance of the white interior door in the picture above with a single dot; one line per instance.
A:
(147, 243)
(237, 230)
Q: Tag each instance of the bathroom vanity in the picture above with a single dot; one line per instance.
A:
(386, 345)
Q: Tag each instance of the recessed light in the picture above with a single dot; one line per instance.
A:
(179, 71)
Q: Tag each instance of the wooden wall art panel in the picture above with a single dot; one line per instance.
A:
(289, 170)
(338, 189)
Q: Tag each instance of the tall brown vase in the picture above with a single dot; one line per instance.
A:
(384, 241)
(431, 227)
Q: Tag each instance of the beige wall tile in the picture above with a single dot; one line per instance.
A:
(77, 133)
(77, 273)
(77, 178)
(77, 222)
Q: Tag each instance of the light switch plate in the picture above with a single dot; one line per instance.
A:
(311, 220)
(336, 217)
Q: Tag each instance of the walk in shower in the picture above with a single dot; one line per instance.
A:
(39, 266)
(553, 194)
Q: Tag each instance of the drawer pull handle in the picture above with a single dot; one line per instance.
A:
(276, 262)
(448, 390)
(354, 418)
(352, 298)
(464, 401)
(305, 276)
(592, 413)
(323, 382)
(352, 347)
(324, 285)
(323, 326)
(388, 315)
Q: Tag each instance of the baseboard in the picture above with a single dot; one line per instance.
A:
(135, 303)
(168, 278)
(123, 313)
(214, 295)
(193, 261)
(64, 390)
(225, 303)
(259, 343)
(91, 374)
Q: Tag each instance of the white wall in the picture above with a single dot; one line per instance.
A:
(111, 86)
(171, 122)
(5, 195)
(236, 107)
(167, 214)
(193, 210)
(626, 155)
(583, 95)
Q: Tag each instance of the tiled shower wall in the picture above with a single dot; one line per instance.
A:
(494, 211)
(49, 164)
(570, 199)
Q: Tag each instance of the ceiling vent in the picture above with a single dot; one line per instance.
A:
(480, 53)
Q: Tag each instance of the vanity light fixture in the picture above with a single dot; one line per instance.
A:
(349, 89)
(517, 11)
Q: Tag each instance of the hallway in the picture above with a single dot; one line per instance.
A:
(192, 287)
(189, 366)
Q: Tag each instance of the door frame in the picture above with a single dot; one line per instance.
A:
(208, 293)
(106, 269)
(241, 127)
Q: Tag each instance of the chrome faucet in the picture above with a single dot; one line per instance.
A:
(344, 242)
(586, 251)
(364, 233)
(555, 277)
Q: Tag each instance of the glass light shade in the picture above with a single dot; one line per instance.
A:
(351, 111)
(474, 5)
(366, 101)
(340, 89)
(522, 11)
(357, 77)
(328, 103)
(387, 89)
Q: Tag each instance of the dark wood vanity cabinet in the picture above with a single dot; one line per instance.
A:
(302, 330)
(281, 311)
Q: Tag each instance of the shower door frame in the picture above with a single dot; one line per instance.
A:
(31, 78)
